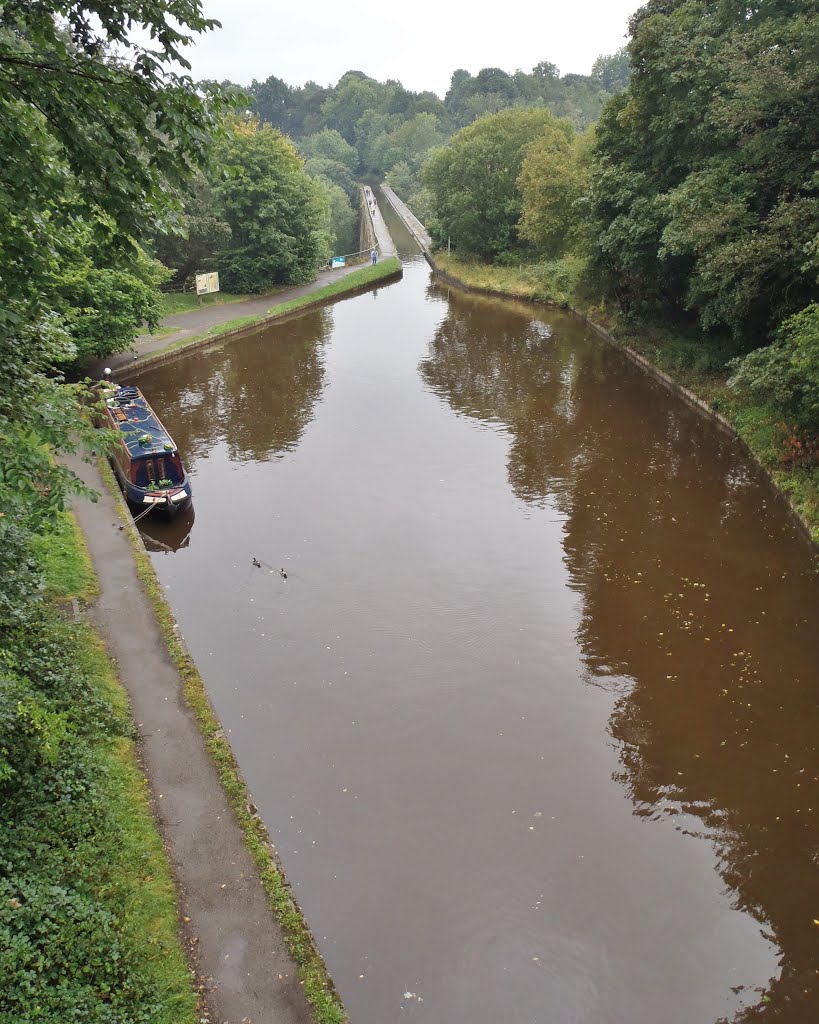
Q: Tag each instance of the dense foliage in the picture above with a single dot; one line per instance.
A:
(474, 180)
(392, 130)
(98, 134)
(705, 187)
(71, 946)
(705, 190)
(94, 148)
(275, 212)
(694, 201)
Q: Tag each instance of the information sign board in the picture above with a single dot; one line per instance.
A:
(207, 283)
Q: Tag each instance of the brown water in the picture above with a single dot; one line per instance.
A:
(533, 720)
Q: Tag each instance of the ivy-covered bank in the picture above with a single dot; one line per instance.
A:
(88, 922)
(791, 458)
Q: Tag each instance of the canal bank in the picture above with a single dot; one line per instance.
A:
(244, 934)
(215, 324)
(798, 492)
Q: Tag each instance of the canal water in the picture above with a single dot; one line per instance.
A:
(533, 718)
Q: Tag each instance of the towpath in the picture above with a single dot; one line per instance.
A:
(196, 321)
(235, 940)
(386, 246)
(234, 937)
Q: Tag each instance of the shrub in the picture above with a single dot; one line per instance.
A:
(786, 372)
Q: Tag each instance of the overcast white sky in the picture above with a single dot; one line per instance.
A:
(420, 42)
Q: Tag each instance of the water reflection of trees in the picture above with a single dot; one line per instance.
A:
(686, 616)
(255, 396)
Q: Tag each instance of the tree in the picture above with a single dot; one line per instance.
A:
(705, 184)
(94, 146)
(277, 214)
(129, 129)
(474, 181)
(332, 171)
(273, 102)
(401, 180)
(613, 71)
(329, 145)
(354, 95)
(553, 179)
(414, 138)
(103, 307)
(372, 141)
(785, 374)
(342, 221)
(203, 233)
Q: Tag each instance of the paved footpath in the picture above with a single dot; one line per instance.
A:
(235, 940)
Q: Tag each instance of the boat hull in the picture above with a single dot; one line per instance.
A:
(166, 502)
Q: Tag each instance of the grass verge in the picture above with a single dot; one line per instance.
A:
(65, 561)
(88, 920)
(317, 984)
(355, 281)
(698, 368)
(553, 281)
(184, 302)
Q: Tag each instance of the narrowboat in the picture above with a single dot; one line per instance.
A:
(145, 459)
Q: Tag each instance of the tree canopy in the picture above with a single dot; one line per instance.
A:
(98, 133)
(474, 180)
(389, 125)
(276, 213)
(705, 183)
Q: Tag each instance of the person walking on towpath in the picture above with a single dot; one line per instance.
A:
(374, 257)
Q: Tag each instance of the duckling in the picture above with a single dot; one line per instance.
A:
(256, 562)
(283, 574)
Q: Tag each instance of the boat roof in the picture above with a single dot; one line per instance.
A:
(134, 418)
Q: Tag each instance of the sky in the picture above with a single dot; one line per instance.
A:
(419, 43)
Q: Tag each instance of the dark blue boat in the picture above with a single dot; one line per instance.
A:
(146, 460)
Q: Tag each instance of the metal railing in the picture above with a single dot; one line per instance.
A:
(351, 257)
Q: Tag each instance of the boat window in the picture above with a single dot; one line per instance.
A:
(169, 468)
(158, 468)
(144, 472)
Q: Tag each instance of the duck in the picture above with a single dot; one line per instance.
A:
(256, 562)
(283, 574)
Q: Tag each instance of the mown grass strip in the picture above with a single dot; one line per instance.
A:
(184, 302)
(318, 986)
(698, 369)
(65, 561)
